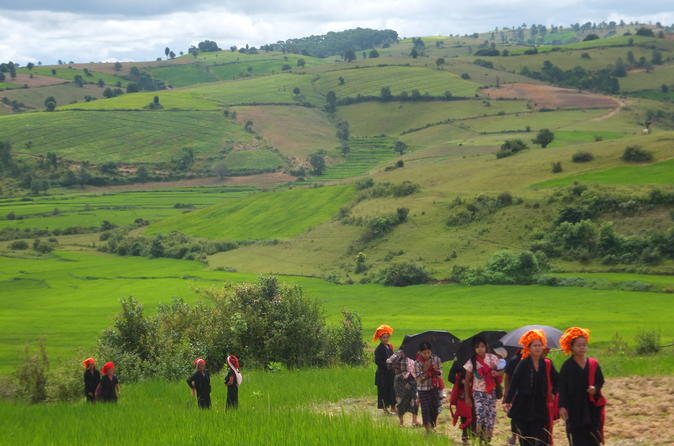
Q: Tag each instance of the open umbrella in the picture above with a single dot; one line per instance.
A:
(443, 343)
(465, 351)
(512, 339)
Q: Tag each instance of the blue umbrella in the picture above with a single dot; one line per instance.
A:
(512, 339)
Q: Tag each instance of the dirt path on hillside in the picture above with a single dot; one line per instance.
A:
(640, 412)
(612, 113)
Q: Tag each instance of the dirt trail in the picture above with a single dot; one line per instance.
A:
(640, 412)
(612, 113)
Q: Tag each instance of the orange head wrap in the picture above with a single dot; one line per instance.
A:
(570, 335)
(529, 337)
(87, 362)
(381, 330)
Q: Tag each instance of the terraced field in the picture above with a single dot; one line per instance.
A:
(365, 154)
(148, 136)
(68, 74)
(370, 81)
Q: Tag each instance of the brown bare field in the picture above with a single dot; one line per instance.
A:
(36, 80)
(640, 412)
(260, 180)
(545, 96)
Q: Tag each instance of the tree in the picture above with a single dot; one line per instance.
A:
(50, 103)
(79, 81)
(349, 56)
(167, 51)
(317, 163)
(343, 130)
(400, 147)
(646, 32)
(142, 174)
(664, 88)
(30, 65)
(373, 54)
(635, 154)
(101, 83)
(221, 170)
(118, 66)
(301, 62)
(544, 137)
(208, 46)
(172, 55)
(591, 37)
(656, 58)
(386, 93)
(440, 61)
(414, 53)
(511, 147)
(296, 91)
(630, 58)
(341, 80)
(330, 101)
(183, 160)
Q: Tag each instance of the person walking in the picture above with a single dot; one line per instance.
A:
(384, 377)
(92, 377)
(200, 384)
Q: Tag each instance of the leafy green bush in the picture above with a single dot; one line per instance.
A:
(403, 274)
(647, 342)
(18, 245)
(635, 154)
(582, 157)
(349, 338)
(511, 147)
(504, 267)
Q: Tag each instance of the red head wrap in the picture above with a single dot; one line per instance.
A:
(87, 362)
(199, 361)
(108, 366)
(233, 361)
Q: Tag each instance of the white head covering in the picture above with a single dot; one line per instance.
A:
(239, 378)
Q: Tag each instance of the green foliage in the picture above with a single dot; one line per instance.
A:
(317, 162)
(557, 167)
(511, 147)
(582, 156)
(601, 80)
(543, 138)
(504, 267)
(336, 43)
(647, 342)
(635, 154)
(349, 339)
(403, 274)
(32, 375)
(465, 212)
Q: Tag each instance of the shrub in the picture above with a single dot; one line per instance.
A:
(635, 154)
(582, 157)
(511, 147)
(19, 245)
(32, 375)
(349, 338)
(404, 274)
(647, 342)
(364, 183)
(544, 138)
(556, 167)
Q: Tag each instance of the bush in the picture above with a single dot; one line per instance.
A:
(511, 147)
(32, 375)
(349, 338)
(647, 342)
(556, 167)
(404, 274)
(364, 183)
(19, 245)
(582, 157)
(635, 154)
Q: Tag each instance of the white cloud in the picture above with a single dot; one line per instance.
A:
(131, 30)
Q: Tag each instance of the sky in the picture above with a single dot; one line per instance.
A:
(134, 30)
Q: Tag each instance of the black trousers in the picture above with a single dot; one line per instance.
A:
(583, 437)
(90, 398)
(532, 433)
(204, 401)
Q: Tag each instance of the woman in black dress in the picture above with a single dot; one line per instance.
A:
(581, 403)
(200, 383)
(233, 381)
(384, 376)
(91, 379)
(530, 399)
(108, 388)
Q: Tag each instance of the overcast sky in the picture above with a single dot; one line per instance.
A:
(109, 30)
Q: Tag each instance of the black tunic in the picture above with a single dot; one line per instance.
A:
(108, 389)
(232, 390)
(201, 382)
(384, 377)
(528, 393)
(91, 380)
(584, 417)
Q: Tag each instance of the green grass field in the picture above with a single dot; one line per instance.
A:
(68, 298)
(267, 215)
(183, 75)
(63, 93)
(120, 208)
(69, 74)
(247, 161)
(643, 80)
(149, 136)
(364, 154)
(370, 81)
(657, 173)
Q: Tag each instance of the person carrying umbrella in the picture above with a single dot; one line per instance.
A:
(384, 377)
(428, 371)
(530, 400)
(481, 374)
(581, 404)
(405, 386)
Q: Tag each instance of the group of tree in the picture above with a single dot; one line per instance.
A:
(142, 81)
(601, 80)
(336, 43)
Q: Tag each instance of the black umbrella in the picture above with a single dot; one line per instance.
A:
(512, 339)
(492, 338)
(443, 344)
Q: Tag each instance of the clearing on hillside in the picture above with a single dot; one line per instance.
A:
(545, 96)
(36, 80)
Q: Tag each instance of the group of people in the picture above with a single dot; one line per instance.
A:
(534, 394)
(103, 385)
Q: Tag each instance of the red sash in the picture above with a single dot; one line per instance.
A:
(489, 382)
(462, 409)
(598, 399)
(552, 400)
